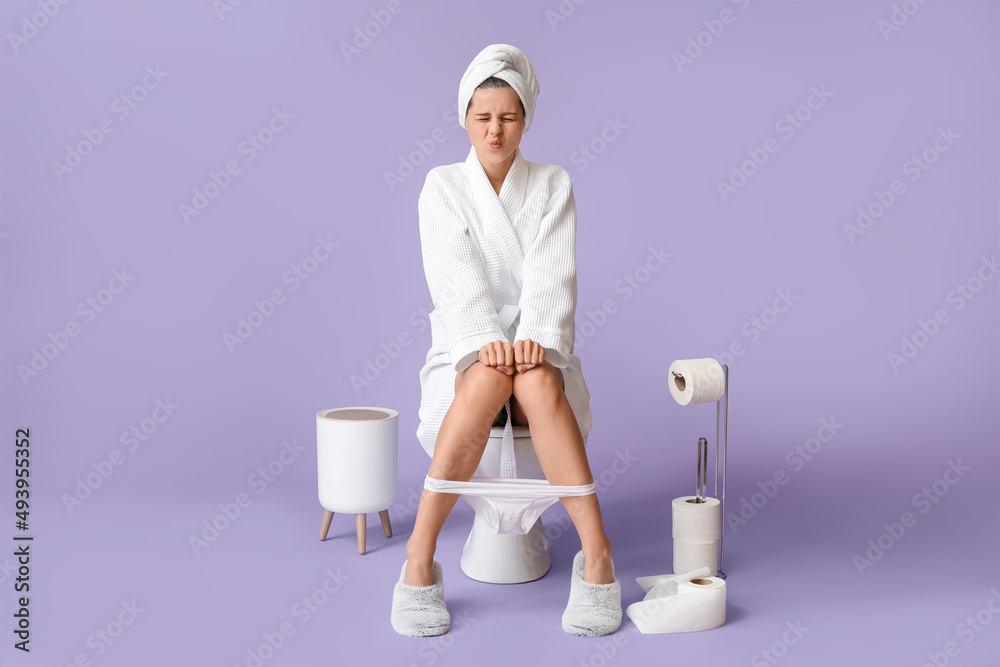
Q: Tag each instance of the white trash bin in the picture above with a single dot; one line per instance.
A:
(356, 455)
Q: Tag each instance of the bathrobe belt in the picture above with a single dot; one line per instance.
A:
(508, 464)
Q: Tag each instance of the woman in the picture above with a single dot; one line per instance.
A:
(497, 229)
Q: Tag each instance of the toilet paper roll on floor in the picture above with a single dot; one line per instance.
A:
(697, 603)
(696, 380)
(666, 584)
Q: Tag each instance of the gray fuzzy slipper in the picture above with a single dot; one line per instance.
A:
(594, 610)
(419, 611)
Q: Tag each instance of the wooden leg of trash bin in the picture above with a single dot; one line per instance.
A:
(361, 534)
(325, 528)
(384, 515)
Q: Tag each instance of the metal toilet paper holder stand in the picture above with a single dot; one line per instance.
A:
(721, 416)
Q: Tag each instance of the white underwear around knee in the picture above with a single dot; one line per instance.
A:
(508, 505)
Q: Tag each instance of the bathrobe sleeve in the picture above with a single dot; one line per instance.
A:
(455, 275)
(548, 290)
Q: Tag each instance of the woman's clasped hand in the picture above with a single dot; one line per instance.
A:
(523, 355)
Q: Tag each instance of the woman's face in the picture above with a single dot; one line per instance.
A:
(495, 123)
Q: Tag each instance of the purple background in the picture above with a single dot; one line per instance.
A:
(324, 175)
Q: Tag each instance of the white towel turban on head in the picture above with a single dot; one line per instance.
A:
(504, 62)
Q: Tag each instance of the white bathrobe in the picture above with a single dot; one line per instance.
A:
(498, 268)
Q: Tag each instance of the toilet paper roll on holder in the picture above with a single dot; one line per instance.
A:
(721, 417)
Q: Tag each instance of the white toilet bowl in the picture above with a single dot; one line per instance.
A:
(507, 558)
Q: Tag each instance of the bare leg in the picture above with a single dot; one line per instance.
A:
(541, 399)
(480, 392)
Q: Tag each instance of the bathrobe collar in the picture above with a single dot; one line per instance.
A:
(499, 211)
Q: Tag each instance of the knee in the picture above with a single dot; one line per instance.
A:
(482, 381)
(539, 384)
